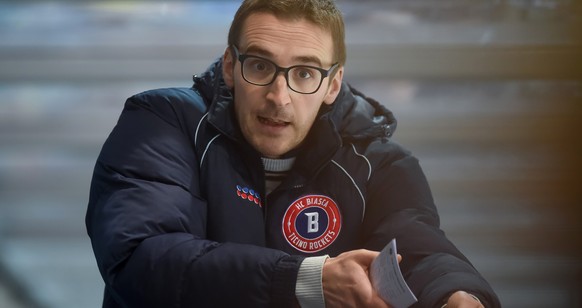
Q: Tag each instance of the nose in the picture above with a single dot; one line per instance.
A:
(278, 92)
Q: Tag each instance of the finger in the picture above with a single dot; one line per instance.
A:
(363, 256)
(399, 258)
(378, 303)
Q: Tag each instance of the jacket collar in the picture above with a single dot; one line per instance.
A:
(352, 117)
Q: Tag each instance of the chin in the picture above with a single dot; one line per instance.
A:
(272, 154)
(272, 151)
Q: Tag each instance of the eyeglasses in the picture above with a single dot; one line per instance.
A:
(302, 79)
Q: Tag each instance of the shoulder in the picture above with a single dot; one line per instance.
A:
(375, 158)
(382, 151)
(176, 106)
(170, 98)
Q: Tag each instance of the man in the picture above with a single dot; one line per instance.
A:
(268, 183)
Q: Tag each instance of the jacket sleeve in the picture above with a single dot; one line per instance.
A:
(146, 219)
(400, 205)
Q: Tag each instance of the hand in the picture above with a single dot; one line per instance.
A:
(462, 299)
(346, 282)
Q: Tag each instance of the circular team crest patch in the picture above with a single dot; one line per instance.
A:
(311, 223)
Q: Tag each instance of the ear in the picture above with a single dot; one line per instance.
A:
(228, 67)
(334, 87)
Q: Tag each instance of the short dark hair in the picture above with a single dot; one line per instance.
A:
(322, 13)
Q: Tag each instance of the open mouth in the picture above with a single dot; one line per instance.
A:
(273, 122)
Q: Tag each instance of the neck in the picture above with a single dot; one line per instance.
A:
(275, 171)
(278, 164)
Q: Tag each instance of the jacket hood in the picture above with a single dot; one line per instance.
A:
(360, 117)
(353, 115)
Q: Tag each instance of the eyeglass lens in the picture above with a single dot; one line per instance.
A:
(259, 71)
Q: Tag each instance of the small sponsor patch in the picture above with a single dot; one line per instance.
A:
(312, 223)
(249, 194)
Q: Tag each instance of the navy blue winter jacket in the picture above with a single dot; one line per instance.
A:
(178, 216)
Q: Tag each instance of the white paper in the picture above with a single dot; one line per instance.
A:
(387, 278)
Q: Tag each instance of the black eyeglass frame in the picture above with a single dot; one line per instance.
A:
(242, 57)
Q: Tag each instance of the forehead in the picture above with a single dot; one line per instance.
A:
(286, 39)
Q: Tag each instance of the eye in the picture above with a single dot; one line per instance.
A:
(259, 65)
(304, 73)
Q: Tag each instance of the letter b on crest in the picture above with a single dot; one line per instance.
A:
(312, 222)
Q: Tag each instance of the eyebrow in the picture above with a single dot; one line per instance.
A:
(265, 53)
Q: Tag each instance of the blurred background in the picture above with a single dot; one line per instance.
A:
(488, 94)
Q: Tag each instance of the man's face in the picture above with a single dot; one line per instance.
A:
(274, 119)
